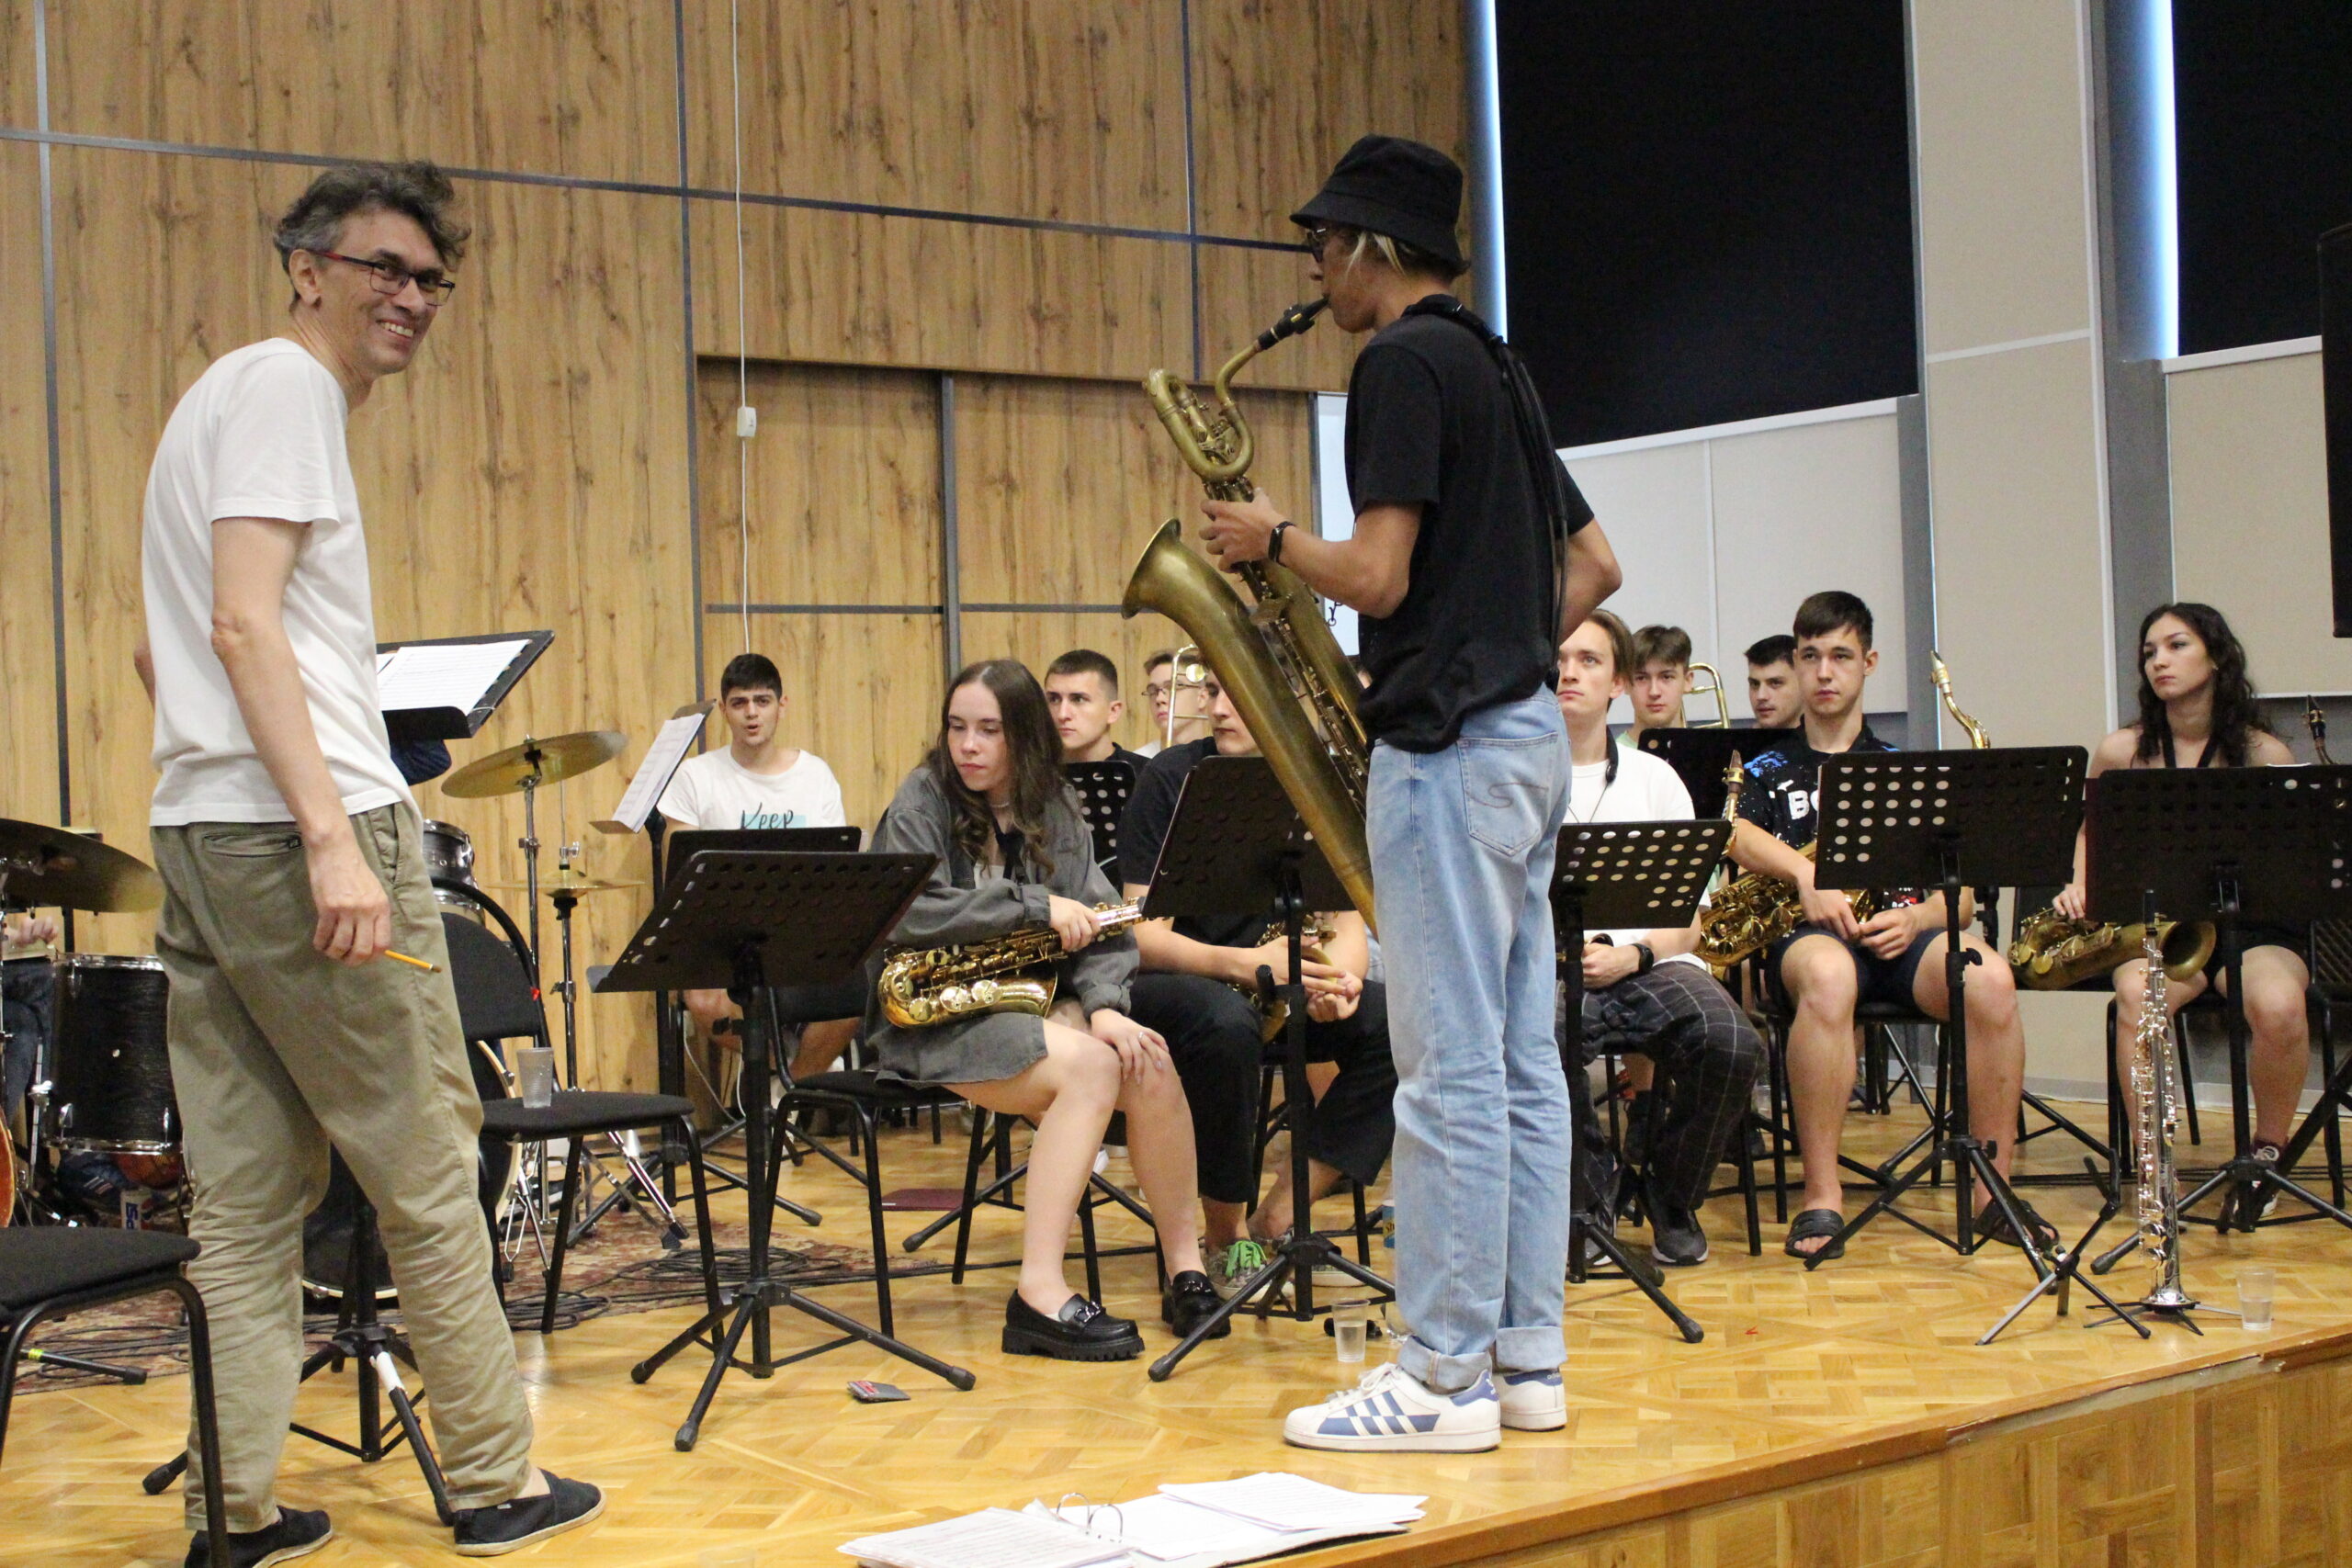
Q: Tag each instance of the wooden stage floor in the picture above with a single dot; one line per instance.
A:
(1841, 1416)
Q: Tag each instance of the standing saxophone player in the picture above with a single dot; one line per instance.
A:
(1473, 555)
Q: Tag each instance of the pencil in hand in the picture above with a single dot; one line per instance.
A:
(418, 963)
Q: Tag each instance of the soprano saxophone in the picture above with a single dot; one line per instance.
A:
(2155, 1101)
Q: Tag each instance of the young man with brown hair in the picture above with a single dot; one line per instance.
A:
(1772, 683)
(1659, 679)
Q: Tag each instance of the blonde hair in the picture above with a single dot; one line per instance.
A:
(1400, 256)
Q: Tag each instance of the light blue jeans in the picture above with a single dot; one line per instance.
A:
(1463, 842)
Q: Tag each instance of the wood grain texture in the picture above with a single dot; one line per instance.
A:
(2057, 1446)
(28, 612)
(1282, 87)
(850, 288)
(579, 87)
(19, 101)
(1038, 640)
(1060, 484)
(1241, 293)
(842, 481)
(507, 487)
(1031, 108)
(861, 691)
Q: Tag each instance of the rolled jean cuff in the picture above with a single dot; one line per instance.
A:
(1538, 1349)
(1446, 1374)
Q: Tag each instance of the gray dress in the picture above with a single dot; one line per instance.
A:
(970, 903)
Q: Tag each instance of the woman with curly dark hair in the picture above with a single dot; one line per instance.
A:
(2197, 710)
(1013, 851)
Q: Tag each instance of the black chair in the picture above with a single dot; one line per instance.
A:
(496, 1002)
(992, 1136)
(49, 1272)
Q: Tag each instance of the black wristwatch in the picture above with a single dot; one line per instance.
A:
(1274, 542)
(1648, 959)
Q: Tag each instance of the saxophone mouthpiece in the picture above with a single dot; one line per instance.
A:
(1291, 323)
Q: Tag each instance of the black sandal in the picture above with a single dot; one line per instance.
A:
(1811, 1225)
(1994, 1225)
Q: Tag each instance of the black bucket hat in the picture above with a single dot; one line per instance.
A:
(1389, 185)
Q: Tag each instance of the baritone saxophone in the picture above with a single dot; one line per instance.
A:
(1275, 657)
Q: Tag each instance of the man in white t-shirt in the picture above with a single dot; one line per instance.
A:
(1644, 992)
(756, 780)
(290, 850)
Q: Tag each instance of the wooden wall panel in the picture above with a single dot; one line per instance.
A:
(28, 616)
(854, 289)
(1033, 108)
(1037, 638)
(861, 691)
(18, 99)
(507, 487)
(842, 480)
(1282, 87)
(1241, 293)
(580, 87)
(1060, 484)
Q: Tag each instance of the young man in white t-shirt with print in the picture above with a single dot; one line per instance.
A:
(756, 780)
(1644, 991)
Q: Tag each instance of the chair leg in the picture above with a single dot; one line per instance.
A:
(563, 1232)
(208, 1416)
(2332, 1134)
(1086, 1234)
(865, 1115)
(1748, 1185)
(1363, 1224)
(982, 1125)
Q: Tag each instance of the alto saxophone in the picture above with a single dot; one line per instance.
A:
(921, 986)
(1276, 659)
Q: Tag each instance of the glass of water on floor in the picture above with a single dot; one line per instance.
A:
(2256, 1286)
(1348, 1322)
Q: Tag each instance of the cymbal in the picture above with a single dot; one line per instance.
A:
(51, 865)
(550, 886)
(535, 763)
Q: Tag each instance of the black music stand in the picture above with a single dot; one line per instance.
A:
(1701, 758)
(2228, 845)
(750, 921)
(1897, 820)
(1611, 876)
(1102, 791)
(1236, 844)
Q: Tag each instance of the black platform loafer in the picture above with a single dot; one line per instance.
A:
(524, 1521)
(298, 1533)
(1081, 1331)
(1187, 1304)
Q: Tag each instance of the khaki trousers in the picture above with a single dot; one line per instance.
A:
(277, 1052)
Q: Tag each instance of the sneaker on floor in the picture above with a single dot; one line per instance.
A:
(1532, 1402)
(1393, 1411)
(297, 1532)
(1234, 1263)
(523, 1521)
(1677, 1239)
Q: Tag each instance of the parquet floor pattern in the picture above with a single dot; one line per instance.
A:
(793, 1467)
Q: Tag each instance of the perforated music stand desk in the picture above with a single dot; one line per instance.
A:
(1946, 821)
(750, 921)
(2228, 845)
(1236, 844)
(1612, 875)
(1103, 789)
(1700, 757)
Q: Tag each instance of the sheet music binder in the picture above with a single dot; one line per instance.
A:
(452, 723)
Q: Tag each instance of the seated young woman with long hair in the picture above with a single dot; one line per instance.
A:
(1013, 852)
(2197, 710)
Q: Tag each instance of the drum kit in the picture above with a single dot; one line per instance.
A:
(101, 1079)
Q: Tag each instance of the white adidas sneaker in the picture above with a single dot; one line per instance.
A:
(1534, 1402)
(1391, 1410)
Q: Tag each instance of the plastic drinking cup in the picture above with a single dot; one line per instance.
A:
(534, 1075)
(2255, 1288)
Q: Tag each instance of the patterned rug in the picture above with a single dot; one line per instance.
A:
(620, 1267)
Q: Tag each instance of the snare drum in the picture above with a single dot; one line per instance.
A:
(449, 858)
(111, 1070)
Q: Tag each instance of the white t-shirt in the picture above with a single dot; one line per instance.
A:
(259, 434)
(1648, 790)
(716, 791)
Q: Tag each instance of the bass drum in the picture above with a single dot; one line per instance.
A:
(326, 1234)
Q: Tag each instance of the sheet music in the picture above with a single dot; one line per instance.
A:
(993, 1537)
(662, 760)
(435, 675)
(1285, 1502)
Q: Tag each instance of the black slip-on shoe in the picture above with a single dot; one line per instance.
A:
(298, 1533)
(511, 1526)
(1081, 1331)
(1677, 1238)
(1188, 1301)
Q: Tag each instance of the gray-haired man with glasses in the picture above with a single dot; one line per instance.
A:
(289, 847)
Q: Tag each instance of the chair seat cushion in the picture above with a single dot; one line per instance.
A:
(863, 1084)
(44, 1261)
(1888, 1013)
(580, 1111)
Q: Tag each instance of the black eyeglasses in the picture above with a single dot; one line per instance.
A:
(1317, 236)
(390, 277)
